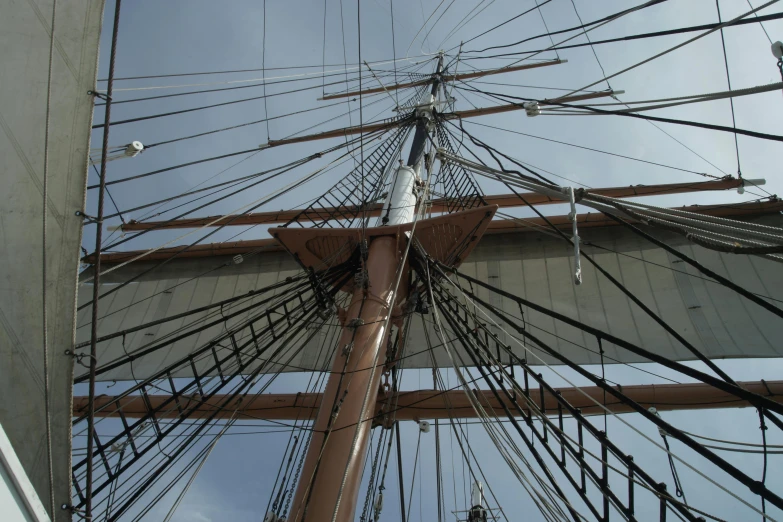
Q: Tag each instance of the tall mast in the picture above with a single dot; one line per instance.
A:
(331, 475)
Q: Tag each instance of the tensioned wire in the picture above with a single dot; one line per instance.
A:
(291, 67)
(265, 79)
(453, 432)
(302, 450)
(257, 371)
(511, 55)
(590, 149)
(708, 228)
(44, 272)
(271, 302)
(587, 148)
(609, 411)
(536, 7)
(497, 435)
(208, 271)
(183, 453)
(311, 127)
(479, 409)
(264, 199)
(674, 48)
(250, 309)
(210, 106)
(230, 182)
(596, 150)
(707, 218)
(682, 100)
(276, 301)
(534, 407)
(239, 326)
(718, 371)
(524, 483)
(150, 383)
(588, 108)
(225, 89)
(657, 127)
(501, 431)
(272, 173)
(610, 19)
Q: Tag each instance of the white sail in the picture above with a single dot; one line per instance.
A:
(717, 321)
(25, 37)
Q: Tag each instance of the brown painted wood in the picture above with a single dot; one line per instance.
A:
(232, 248)
(447, 78)
(472, 113)
(432, 404)
(438, 205)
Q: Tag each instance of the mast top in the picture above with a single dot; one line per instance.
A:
(477, 513)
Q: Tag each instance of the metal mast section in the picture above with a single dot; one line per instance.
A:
(329, 482)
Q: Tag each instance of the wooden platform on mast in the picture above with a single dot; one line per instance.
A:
(449, 238)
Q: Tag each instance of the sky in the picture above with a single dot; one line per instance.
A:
(157, 38)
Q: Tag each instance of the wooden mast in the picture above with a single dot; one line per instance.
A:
(328, 488)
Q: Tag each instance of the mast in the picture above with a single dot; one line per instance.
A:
(331, 475)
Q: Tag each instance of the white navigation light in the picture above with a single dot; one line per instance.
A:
(777, 50)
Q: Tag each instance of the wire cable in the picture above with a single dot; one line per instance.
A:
(549, 34)
(671, 49)
(44, 272)
(754, 134)
(728, 81)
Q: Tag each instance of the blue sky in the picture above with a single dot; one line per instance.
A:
(195, 36)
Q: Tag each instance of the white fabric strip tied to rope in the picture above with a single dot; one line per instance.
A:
(575, 237)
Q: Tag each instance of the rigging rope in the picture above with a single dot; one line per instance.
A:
(754, 134)
(97, 269)
(44, 271)
(758, 20)
(595, 150)
(671, 49)
(728, 80)
(584, 373)
(250, 70)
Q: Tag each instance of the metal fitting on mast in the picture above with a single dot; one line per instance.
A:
(477, 513)
(532, 108)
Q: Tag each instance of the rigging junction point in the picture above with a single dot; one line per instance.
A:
(401, 266)
(384, 290)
